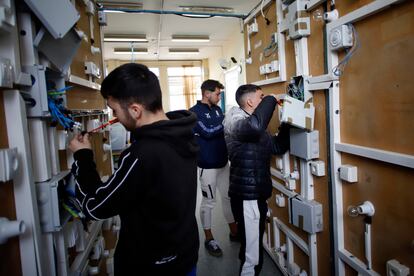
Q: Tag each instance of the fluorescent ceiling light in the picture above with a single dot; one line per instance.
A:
(190, 38)
(207, 9)
(121, 5)
(124, 38)
(128, 51)
(183, 51)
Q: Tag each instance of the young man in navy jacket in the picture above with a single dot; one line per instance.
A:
(212, 162)
(154, 189)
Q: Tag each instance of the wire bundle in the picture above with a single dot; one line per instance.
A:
(338, 70)
(296, 90)
(60, 115)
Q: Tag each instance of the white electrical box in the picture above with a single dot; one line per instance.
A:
(262, 69)
(348, 173)
(274, 64)
(268, 68)
(280, 200)
(304, 144)
(298, 20)
(102, 18)
(317, 168)
(291, 184)
(252, 28)
(92, 69)
(50, 195)
(38, 91)
(297, 113)
(58, 16)
(306, 214)
(8, 164)
(394, 268)
(341, 37)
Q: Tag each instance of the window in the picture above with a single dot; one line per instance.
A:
(184, 86)
(155, 70)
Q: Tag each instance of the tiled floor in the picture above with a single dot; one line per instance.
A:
(228, 264)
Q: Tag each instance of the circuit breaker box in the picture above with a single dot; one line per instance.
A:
(306, 214)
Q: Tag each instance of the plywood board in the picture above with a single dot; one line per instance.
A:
(84, 53)
(83, 98)
(377, 103)
(390, 189)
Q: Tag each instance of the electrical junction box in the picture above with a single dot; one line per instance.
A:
(38, 107)
(280, 200)
(341, 37)
(304, 144)
(268, 68)
(317, 168)
(58, 16)
(102, 18)
(306, 214)
(262, 69)
(394, 268)
(274, 65)
(298, 20)
(348, 173)
(252, 28)
(297, 113)
(50, 196)
(92, 69)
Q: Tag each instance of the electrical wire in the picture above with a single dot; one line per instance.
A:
(338, 70)
(264, 16)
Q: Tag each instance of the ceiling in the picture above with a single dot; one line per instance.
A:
(219, 29)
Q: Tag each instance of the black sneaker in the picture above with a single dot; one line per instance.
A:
(213, 248)
(234, 238)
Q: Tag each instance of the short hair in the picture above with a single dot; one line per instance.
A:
(211, 85)
(133, 83)
(244, 90)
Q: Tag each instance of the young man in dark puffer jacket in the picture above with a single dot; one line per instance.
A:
(250, 148)
(154, 189)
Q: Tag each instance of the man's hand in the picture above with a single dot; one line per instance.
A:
(80, 141)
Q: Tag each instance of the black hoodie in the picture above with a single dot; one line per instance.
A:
(154, 192)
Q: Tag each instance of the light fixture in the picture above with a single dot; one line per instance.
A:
(206, 9)
(125, 38)
(183, 51)
(126, 5)
(190, 38)
(128, 51)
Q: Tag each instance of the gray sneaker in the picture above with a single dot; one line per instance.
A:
(213, 248)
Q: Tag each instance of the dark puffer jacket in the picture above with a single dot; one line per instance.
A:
(250, 149)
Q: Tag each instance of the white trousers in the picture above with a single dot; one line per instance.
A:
(210, 181)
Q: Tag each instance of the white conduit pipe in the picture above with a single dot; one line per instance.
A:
(10, 229)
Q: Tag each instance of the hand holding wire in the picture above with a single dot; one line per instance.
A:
(80, 141)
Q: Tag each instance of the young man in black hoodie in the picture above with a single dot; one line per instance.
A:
(250, 149)
(154, 189)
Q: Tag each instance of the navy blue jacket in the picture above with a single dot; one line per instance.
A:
(210, 136)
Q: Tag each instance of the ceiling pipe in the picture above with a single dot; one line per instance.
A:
(183, 13)
(159, 31)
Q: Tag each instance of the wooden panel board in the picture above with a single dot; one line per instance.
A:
(259, 41)
(377, 103)
(390, 189)
(82, 98)
(10, 251)
(84, 52)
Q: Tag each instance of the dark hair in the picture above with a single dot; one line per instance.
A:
(133, 83)
(243, 90)
(211, 85)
